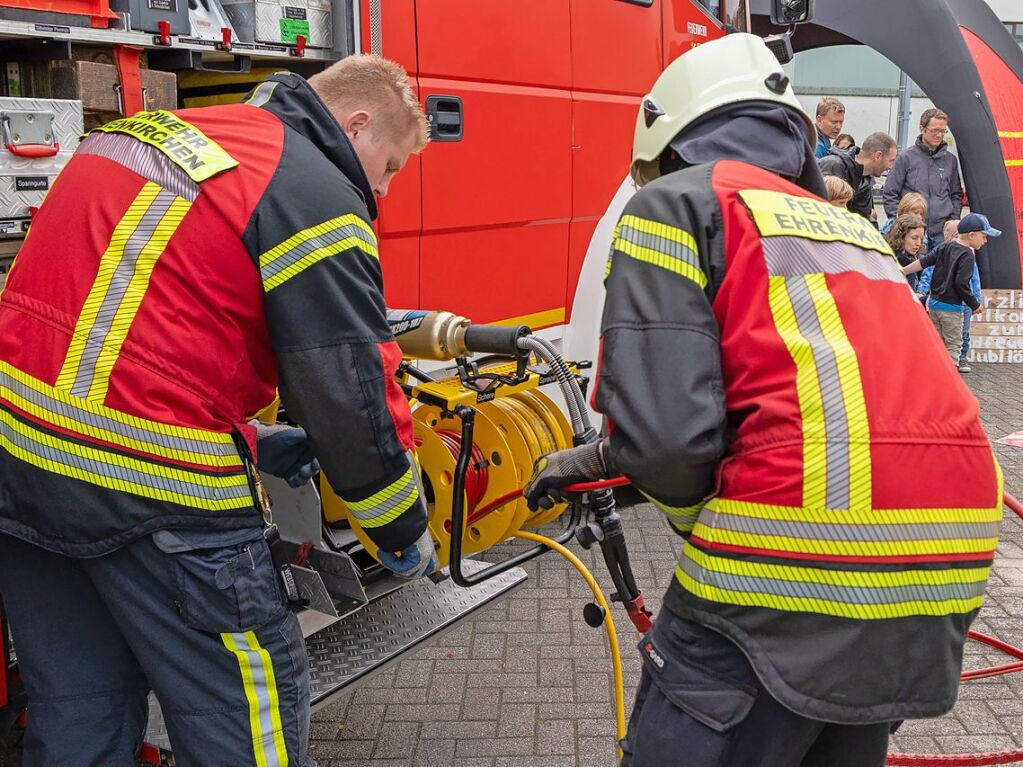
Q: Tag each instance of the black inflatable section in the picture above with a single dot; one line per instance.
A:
(923, 38)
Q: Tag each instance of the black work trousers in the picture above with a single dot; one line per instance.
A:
(700, 704)
(199, 621)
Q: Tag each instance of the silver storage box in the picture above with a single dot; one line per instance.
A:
(39, 137)
(281, 21)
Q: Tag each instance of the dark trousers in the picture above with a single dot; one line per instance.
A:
(203, 626)
(700, 704)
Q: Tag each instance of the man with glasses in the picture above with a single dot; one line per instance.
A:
(930, 169)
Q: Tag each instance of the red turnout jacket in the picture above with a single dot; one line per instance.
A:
(183, 268)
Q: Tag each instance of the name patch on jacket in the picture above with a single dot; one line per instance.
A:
(777, 214)
(186, 146)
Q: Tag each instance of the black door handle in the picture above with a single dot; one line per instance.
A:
(445, 116)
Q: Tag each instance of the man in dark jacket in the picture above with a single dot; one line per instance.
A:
(930, 169)
(953, 263)
(859, 168)
(186, 267)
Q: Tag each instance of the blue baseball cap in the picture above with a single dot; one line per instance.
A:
(975, 222)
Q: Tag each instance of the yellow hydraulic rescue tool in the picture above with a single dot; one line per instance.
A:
(478, 433)
(515, 423)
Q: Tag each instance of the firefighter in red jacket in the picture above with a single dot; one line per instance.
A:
(756, 393)
(184, 267)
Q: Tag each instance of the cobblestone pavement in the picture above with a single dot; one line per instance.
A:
(527, 683)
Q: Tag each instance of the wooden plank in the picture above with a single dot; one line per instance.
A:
(93, 84)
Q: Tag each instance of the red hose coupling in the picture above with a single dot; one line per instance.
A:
(641, 617)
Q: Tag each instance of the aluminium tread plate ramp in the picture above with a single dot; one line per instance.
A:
(350, 651)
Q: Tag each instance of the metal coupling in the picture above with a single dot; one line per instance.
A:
(429, 335)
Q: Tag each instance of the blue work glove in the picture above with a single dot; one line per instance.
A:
(284, 452)
(554, 471)
(414, 561)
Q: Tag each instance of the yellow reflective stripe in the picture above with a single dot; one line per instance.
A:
(778, 214)
(658, 229)
(274, 701)
(382, 495)
(101, 285)
(136, 291)
(1014, 163)
(664, 261)
(261, 95)
(260, 688)
(18, 438)
(682, 518)
(611, 254)
(137, 441)
(245, 666)
(156, 429)
(319, 230)
(836, 434)
(314, 257)
(811, 404)
(781, 543)
(856, 517)
(860, 485)
(825, 607)
(867, 579)
(1010, 134)
(122, 278)
(386, 505)
(310, 246)
(676, 252)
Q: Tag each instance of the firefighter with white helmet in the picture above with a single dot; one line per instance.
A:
(746, 375)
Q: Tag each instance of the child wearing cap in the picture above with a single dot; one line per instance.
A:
(954, 263)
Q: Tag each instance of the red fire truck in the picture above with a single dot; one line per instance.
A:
(534, 112)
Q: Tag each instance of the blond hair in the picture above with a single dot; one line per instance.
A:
(838, 189)
(380, 87)
(829, 104)
(951, 229)
(910, 201)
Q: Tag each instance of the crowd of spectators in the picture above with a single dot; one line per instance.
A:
(922, 200)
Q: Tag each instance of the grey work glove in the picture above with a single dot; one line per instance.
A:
(414, 561)
(554, 471)
(284, 452)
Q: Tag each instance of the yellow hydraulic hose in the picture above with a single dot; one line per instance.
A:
(609, 624)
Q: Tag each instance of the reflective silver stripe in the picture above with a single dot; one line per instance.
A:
(387, 505)
(143, 159)
(260, 686)
(303, 249)
(796, 257)
(660, 244)
(72, 417)
(62, 453)
(836, 424)
(823, 531)
(261, 689)
(830, 592)
(263, 93)
(118, 288)
(682, 518)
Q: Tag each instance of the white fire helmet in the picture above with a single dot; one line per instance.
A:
(737, 68)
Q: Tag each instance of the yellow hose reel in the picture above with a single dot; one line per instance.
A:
(512, 431)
